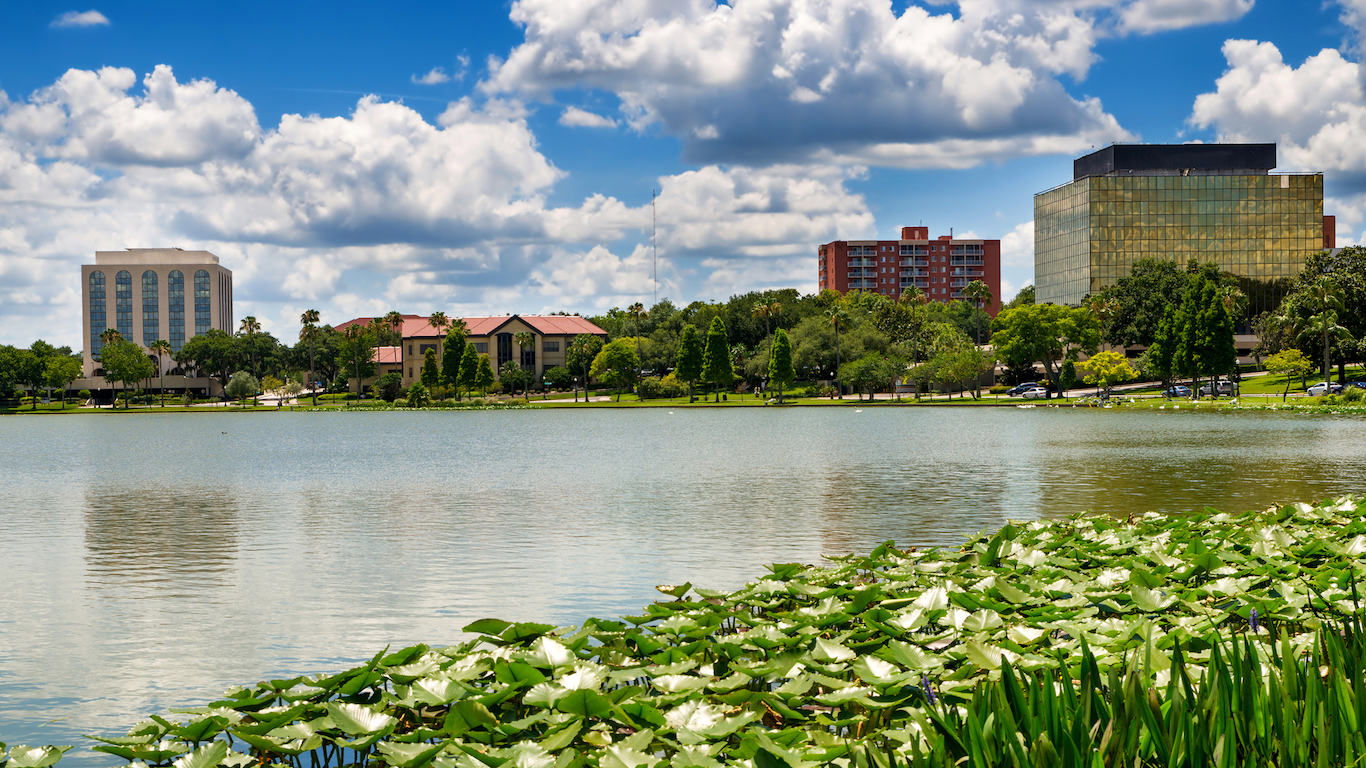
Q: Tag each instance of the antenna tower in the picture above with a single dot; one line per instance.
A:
(654, 242)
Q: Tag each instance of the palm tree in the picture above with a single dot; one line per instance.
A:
(109, 336)
(767, 312)
(395, 322)
(526, 340)
(376, 326)
(355, 334)
(162, 349)
(638, 310)
(310, 319)
(981, 293)
(580, 349)
(1326, 297)
(251, 327)
(837, 315)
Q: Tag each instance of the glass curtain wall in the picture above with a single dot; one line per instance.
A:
(203, 319)
(175, 308)
(151, 316)
(97, 318)
(123, 304)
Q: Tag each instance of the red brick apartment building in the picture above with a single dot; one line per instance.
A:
(940, 268)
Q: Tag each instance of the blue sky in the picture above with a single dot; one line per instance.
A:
(499, 157)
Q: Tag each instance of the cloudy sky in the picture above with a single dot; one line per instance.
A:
(483, 157)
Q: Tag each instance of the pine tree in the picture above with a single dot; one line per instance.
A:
(483, 378)
(717, 368)
(452, 355)
(780, 369)
(431, 375)
(468, 376)
(689, 358)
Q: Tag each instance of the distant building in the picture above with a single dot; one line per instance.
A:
(492, 336)
(941, 268)
(148, 294)
(1210, 202)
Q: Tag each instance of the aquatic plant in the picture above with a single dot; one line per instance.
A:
(1203, 639)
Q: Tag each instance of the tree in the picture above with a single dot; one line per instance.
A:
(418, 396)
(526, 341)
(690, 358)
(483, 378)
(1204, 332)
(1023, 298)
(780, 370)
(637, 309)
(162, 349)
(1067, 377)
(511, 374)
(1290, 363)
(431, 375)
(453, 356)
(309, 332)
(125, 363)
(30, 370)
(717, 367)
(1046, 333)
(616, 364)
(558, 377)
(240, 385)
(250, 327)
(768, 311)
(837, 317)
(1106, 369)
(980, 293)
(389, 386)
(60, 371)
(1138, 300)
(358, 349)
(864, 374)
(1317, 304)
(214, 352)
(468, 376)
(580, 355)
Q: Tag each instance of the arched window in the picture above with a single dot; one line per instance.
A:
(202, 317)
(175, 299)
(151, 317)
(123, 304)
(97, 318)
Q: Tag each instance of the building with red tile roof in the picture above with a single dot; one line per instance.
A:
(493, 336)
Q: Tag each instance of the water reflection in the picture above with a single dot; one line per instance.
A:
(306, 541)
(160, 542)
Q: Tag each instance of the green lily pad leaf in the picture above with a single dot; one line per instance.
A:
(356, 720)
(621, 756)
(911, 656)
(206, 756)
(873, 669)
(493, 627)
(544, 695)
(676, 683)
(561, 738)
(585, 704)
(1012, 594)
(829, 650)
(23, 756)
(983, 620)
(1149, 600)
(437, 691)
(675, 591)
(409, 755)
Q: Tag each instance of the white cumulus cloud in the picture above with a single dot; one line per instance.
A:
(80, 19)
(830, 81)
(1149, 16)
(434, 76)
(578, 118)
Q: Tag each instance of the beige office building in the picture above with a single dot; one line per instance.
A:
(154, 293)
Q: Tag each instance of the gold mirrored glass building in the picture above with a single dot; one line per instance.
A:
(1209, 202)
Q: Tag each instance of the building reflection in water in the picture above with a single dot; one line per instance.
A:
(160, 542)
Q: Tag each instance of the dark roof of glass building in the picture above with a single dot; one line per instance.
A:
(1130, 158)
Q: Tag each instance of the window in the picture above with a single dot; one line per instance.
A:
(151, 322)
(202, 318)
(410, 371)
(123, 304)
(175, 298)
(97, 325)
(550, 346)
(481, 347)
(422, 349)
(410, 351)
(504, 349)
(529, 357)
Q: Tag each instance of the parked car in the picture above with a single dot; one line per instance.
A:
(1180, 390)
(1035, 393)
(1019, 389)
(1226, 388)
(1322, 388)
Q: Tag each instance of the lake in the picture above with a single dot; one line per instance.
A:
(149, 561)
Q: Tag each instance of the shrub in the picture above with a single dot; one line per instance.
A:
(1353, 395)
(999, 389)
(400, 402)
(653, 387)
(450, 402)
(84, 394)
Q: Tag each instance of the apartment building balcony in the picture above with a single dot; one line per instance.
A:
(907, 282)
(965, 250)
(858, 273)
(862, 262)
(965, 261)
(968, 272)
(915, 262)
(915, 273)
(911, 250)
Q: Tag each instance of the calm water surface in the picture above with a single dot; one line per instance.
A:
(149, 561)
